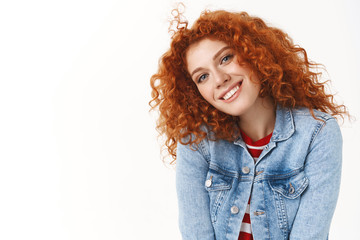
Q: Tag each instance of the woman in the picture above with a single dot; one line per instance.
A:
(254, 135)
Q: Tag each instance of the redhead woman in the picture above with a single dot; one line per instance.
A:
(253, 133)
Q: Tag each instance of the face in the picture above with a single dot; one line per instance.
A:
(221, 80)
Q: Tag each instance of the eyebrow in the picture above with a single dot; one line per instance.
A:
(214, 57)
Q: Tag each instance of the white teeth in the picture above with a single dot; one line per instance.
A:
(231, 92)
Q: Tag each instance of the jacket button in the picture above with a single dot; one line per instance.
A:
(291, 189)
(245, 170)
(208, 183)
(257, 213)
(234, 209)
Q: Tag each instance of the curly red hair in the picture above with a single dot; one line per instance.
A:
(284, 70)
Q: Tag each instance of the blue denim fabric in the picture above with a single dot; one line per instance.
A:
(294, 184)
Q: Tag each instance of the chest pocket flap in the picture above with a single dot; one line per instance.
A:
(291, 187)
(216, 181)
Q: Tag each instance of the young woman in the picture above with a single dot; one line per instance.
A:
(257, 147)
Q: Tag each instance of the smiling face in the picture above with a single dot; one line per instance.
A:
(222, 81)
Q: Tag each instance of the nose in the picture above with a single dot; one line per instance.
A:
(221, 77)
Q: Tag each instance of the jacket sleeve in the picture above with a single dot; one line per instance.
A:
(323, 169)
(193, 199)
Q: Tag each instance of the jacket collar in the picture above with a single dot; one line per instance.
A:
(284, 124)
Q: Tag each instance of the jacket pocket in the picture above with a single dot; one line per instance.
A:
(292, 187)
(287, 192)
(218, 186)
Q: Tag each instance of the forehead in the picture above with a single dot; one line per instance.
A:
(202, 52)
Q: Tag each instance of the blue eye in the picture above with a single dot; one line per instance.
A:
(202, 78)
(226, 58)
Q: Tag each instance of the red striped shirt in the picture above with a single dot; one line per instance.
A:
(255, 149)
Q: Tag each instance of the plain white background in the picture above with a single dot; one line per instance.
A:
(79, 155)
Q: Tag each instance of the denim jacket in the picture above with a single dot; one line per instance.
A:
(294, 184)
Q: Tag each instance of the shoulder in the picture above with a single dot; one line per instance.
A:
(207, 149)
(188, 147)
(321, 123)
(304, 114)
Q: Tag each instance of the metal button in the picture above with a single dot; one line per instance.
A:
(245, 170)
(291, 189)
(234, 209)
(208, 183)
(257, 213)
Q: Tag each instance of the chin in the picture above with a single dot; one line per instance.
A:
(232, 113)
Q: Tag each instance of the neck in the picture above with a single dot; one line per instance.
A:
(259, 122)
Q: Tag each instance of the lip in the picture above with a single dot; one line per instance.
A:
(230, 88)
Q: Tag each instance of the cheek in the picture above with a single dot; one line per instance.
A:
(256, 88)
(206, 93)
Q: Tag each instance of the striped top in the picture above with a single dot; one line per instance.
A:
(255, 149)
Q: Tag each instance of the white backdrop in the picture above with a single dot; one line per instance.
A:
(79, 157)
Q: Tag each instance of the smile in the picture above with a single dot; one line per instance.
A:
(232, 92)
